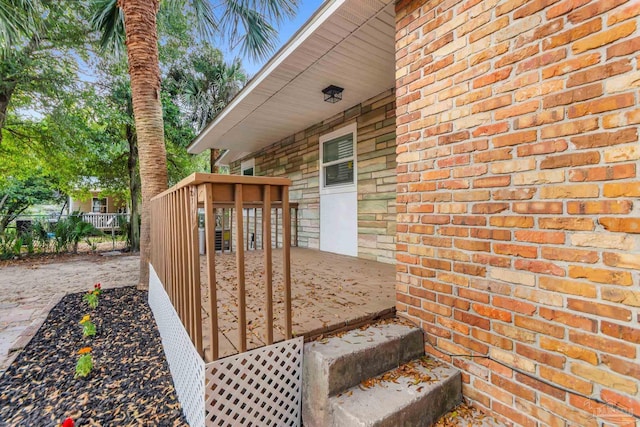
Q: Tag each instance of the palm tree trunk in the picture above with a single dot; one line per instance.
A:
(134, 190)
(5, 97)
(144, 71)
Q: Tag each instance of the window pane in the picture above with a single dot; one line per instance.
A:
(338, 148)
(338, 174)
(248, 172)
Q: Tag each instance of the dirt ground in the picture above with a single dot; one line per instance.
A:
(29, 288)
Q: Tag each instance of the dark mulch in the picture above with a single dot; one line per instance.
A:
(129, 385)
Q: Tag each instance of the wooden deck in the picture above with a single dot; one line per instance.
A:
(329, 292)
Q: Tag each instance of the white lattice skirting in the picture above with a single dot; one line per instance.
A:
(261, 387)
(185, 364)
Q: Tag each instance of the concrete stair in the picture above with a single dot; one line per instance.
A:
(355, 380)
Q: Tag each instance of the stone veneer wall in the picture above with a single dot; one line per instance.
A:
(518, 200)
(296, 157)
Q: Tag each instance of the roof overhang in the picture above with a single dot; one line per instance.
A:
(347, 43)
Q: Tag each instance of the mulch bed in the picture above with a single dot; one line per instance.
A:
(129, 385)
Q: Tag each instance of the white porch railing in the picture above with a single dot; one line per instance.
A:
(103, 221)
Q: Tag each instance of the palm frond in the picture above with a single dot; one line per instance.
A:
(257, 38)
(19, 20)
(108, 20)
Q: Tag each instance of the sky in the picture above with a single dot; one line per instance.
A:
(306, 8)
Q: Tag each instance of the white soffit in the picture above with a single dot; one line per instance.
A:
(347, 43)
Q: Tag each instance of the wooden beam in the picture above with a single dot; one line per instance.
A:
(242, 306)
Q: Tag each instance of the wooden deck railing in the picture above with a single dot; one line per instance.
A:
(175, 250)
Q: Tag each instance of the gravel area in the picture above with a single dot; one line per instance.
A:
(129, 385)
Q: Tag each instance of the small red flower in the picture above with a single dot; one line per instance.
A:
(67, 423)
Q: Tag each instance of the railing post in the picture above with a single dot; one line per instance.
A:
(268, 262)
(210, 226)
(286, 257)
(242, 314)
(194, 267)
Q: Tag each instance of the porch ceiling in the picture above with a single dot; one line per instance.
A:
(347, 43)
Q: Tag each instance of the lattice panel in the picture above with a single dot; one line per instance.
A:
(261, 387)
(186, 366)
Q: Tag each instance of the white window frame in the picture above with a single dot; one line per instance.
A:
(248, 164)
(343, 188)
(93, 204)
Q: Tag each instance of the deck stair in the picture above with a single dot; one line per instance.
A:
(376, 376)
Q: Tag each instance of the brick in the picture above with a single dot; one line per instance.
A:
(626, 333)
(621, 366)
(573, 159)
(511, 221)
(602, 240)
(579, 224)
(564, 7)
(600, 73)
(514, 305)
(621, 296)
(515, 333)
(515, 250)
(517, 110)
(623, 48)
(569, 350)
(627, 189)
(542, 177)
(604, 139)
(511, 359)
(492, 339)
(622, 154)
(515, 277)
(568, 286)
(572, 96)
(593, 9)
(551, 115)
(472, 320)
(573, 34)
(605, 173)
(565, 380)
(536, 325)
(541, 386)
(600, 207)
(547, 237)
(622, 260)
(575, 191)
(514, 138)
(605, 310)
(569, 255)
(539, 267)
(605, 37)
(605, 378)
(491, 78)
(542, 357)
(494, 181)
(600, 105)
(492, 313)
(514, 194)
(538, 207)
(569, 319)
(602, 344)
(569, 128)
(512, 414)
(620, 15)
(626, 403)
(623, 225)
(622, 83)
(598, 275)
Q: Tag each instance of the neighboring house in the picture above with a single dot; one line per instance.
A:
(99, 210)
(489, 149)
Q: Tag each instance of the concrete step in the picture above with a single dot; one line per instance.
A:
(401, 400)
(333, 365)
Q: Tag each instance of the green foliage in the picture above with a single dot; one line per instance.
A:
(18, 194)
(88, 329)
(91, 298)
(84, 365)
(69, 231)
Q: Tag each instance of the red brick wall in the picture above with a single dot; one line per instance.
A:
(519, 200)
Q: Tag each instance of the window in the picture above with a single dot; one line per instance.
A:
(99, 205)
(248, 167)
(337, 155)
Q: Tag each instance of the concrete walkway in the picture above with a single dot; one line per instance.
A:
(29, 290)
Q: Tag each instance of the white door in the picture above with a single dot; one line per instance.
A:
(338, 192)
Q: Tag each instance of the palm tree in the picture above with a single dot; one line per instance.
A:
(138, 18)
(205, 86)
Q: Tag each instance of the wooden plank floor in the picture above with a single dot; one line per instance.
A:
(328, 291)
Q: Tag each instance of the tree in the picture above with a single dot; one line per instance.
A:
(40, 42)
(17, 195)
(141, 39)
(205, 86)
